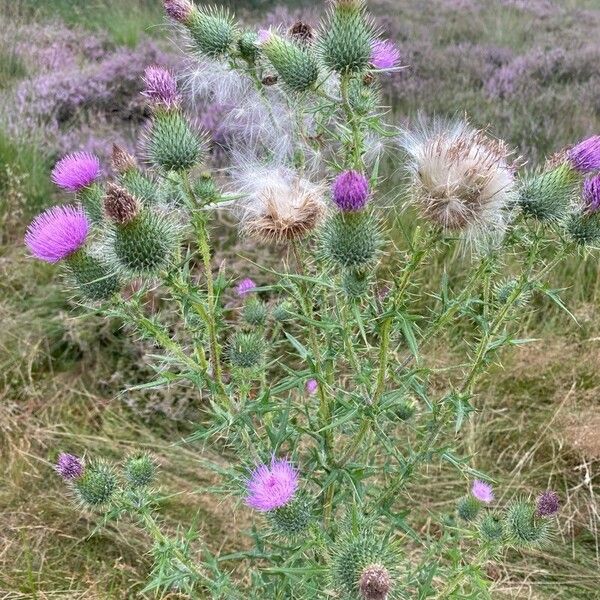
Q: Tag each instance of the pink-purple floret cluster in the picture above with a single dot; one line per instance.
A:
(272, 486)
(350, 191)
(591, 194)
(76, 171)
(384, 54)
(161, 87)
(57, 233)
(482, 491)
(246, 286)
(69, 466)
(548, 504)
(585, 156)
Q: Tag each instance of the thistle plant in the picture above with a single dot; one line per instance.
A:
(316, 388)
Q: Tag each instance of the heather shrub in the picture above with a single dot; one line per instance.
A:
(312, 377)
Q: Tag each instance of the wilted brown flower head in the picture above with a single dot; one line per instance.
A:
(120, 206)
(302, 32)
(121, 160)
(375, 583)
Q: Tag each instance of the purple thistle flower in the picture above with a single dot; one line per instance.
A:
(263, 36)
(482, 491)
(272, 487)
(585, 156)
(312, 386)
(548, 504)
(178, 10)
(245, 287)
(57, 233)
(350, 191)
(161, 87)
(384, 54)
(69, 467)
(76, 171)
(591, 194)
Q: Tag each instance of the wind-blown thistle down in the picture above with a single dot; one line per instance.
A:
(329, 358)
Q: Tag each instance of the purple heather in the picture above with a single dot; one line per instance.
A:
(245, 287)
(585, 156)
(350, 191)
(482, 491)
(591, 194)
(384, 54)
(548, 504)
(271, 487)
(69, 467)
(57, 233)
(161, 87)
(312, 386)
(76, 171)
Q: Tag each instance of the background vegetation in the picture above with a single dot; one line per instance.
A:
(69, 78)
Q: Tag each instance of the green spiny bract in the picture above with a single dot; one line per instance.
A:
(364, 99)
(404, 410)
(491, 528)
(140, 185)
(139, 470)
(93, 278)
(292, 519)
(584, 229)
(358, 551)
(171, 143)
(212, 31)
(351, 239)
(503, 290)
(522, 527)
(205, 190)
(246, 350)
(283, 312)
(355, 283)
(91, 198)
(255, 312)
(468, 508)
(145, 245)
(247, 46)
(97, 485)
(346, 37)
(296, 66)
(548, 196)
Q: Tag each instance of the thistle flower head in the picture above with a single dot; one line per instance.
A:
(178, 10)
(312, 386)
(57, 233)
(482, 491)
(161, 87)
(301, 32)
(375, 583)
(263, 36)
(120, 206)
(585, 156)
(272, 486)
(591, 194)
(548, 504)
(121, 160)
(69, 466)
(384, 54)
(245, 286)
(279, 205)
(76, 171)
(461, 178)
(350, 191)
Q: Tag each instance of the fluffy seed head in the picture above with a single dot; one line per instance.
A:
(482, 491)
(69, 466)
(161, 88)
(178, 10)
(461, 178)
(585, 156)
(76, 171)
(384, 54)
(350, 191)
(375, 583)
(120, 206)
(57, 233)
(591, 194)
(121, 160)
(280, 206)
(548, 504)
(272, 486)
(245, 286)
(312, 386)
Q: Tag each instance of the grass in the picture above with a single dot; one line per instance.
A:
(61, 375)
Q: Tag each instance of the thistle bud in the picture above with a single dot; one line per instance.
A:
(291, 519)
(120, 206)
(522, 527)
(211, 30)
(491, 528)
(205, 189)
(375, 583)
(355, 283)
(93, 278)
(468, 508)
(347, 36)
(548, 196)
(97, 485)
(246, 350)
(160, 88)
(503, 290)
(171, 144)
(139, 470)
(131, 178)
(283, 312)
(247, 46)
(145, 245)
(351, 239)
(405, 410)
(255, 313)
(295, 64)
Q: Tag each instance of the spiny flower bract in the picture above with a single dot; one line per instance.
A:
(272, 486)
(76, 171)
(57, 233)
